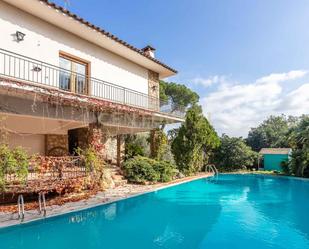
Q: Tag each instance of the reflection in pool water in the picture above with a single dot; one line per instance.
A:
(234, 211)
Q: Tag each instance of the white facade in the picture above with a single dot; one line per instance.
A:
(117, 72)
(43, 41)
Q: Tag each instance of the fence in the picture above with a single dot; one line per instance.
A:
(27, 69)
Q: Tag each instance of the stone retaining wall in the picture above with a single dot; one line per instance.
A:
(56, 145)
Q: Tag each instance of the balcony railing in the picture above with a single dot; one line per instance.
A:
(27, 69)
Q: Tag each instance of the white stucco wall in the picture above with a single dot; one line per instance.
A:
(43, 41)
(33, 144)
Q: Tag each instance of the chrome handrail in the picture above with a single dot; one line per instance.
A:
(21, 207)
(211, 168)
(42, 203)
(35, 71)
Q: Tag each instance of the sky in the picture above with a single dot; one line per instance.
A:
(246, 59)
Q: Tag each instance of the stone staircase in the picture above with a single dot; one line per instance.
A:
(117, 175)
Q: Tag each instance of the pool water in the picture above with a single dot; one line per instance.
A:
(234, 211)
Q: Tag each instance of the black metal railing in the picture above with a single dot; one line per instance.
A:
(24, 68)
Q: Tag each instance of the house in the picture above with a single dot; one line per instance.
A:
(273, 157)
(66, 83)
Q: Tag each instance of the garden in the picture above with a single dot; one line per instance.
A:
(162, 155)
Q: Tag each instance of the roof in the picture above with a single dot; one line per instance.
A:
(275, 151)
(34, 7)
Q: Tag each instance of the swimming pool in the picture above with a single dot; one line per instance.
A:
(235, 211)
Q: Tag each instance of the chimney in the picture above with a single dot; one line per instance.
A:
(149, 50)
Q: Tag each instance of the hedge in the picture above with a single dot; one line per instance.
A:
(144, 170)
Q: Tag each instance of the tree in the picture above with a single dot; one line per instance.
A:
(298, 138)
(282, 131)
(180, 98)
(179, 95)
(194, 142)
(160, 146)
(270, 134)
(234, 154)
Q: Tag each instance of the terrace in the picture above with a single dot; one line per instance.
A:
(29, 70)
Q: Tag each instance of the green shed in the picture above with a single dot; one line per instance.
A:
(273, 157)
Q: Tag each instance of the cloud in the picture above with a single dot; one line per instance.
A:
(235, 108)
(206, 82)
(296, 102)
(280, 77)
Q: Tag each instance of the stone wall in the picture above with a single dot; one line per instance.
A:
(153, 89)
(56, 145)
(114, 149)
(110, 152)
(96, 138)
(110, 147)
(120, 149)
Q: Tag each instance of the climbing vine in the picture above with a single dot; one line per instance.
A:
(91, 158)
(161, 149)
(95, 167)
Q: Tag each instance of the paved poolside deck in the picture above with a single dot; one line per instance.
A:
(110, 195)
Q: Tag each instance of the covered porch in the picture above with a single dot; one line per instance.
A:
(51, 122)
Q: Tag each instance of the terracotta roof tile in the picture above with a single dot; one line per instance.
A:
(278, 151)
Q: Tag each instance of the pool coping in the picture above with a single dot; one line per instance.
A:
(15, 222)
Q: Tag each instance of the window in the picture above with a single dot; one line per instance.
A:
(74, 75)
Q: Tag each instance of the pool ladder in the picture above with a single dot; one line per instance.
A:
(211, 168)
(21, 205)
(42, 204)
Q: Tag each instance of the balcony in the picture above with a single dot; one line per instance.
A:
(19, 67)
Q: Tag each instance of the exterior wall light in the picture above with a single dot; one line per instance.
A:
(36, 69)
(20, 36)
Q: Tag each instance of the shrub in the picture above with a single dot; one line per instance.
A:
(143, 170)
(136, 145)
(21, 169)
(140, 170)
(95, 168)
(132, 150)
(285, 167)
(166, 170)
(13, 162)
(233, 154)
(92, 160)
